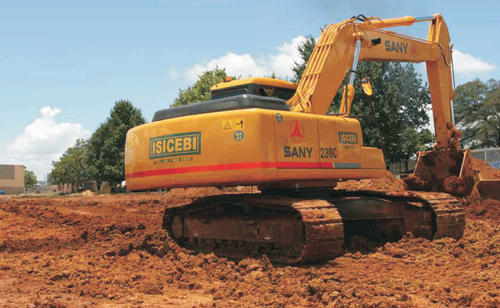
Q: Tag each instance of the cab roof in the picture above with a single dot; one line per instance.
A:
(256, 80)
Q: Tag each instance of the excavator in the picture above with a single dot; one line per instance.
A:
(277, 135)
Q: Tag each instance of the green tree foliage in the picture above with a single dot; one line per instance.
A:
(399, 100)
(477, 113)
(72, 167)
(30, 179)
(305, 50)
(106, 151)
(272, 76)
(200, 91)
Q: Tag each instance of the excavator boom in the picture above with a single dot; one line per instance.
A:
(334, 59)
(342, 45)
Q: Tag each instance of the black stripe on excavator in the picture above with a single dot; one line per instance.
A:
(245, 101)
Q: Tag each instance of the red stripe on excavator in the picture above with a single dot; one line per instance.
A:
(326, 165)
(222, 167)
(237, 166)
(297, 165)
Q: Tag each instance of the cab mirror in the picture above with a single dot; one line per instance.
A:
(367, 86)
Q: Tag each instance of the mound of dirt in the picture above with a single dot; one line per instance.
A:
(191, 193)
(388, 182)
(486, 171)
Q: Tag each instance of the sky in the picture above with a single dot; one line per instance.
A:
(63, 64)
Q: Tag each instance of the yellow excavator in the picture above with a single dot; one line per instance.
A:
(276, 135)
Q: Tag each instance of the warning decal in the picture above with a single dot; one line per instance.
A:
(233, 124)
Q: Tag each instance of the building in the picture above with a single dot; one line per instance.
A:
(12, 179)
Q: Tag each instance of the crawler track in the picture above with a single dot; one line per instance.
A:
(287, 230)
(301, 229)
(448, 211)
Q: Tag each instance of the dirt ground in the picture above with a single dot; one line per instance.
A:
(111, 251)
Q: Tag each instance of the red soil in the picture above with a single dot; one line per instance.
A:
(111, 251)
(389, 182)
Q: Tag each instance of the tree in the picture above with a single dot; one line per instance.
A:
(400, 101)
(200, 91)
(477, 113)
(30, 179)
(72, 167)
(106, 150)
(305, 50)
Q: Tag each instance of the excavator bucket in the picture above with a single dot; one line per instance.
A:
(443, 170)
(451, 171)
(487, 189)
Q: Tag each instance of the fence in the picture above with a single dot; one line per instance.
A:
(490, 156)
(402, 167)
(62, 188)
(41, 190)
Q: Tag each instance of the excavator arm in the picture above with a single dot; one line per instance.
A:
(335, 58)
(342, 45)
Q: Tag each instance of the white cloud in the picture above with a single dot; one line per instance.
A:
(42, 141)
(469, 66)
(246, 65)
(430, 114)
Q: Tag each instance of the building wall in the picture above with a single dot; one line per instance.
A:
(12, 179)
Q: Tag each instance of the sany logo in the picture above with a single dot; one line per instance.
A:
(296, 131)
(413, 50)
(394, 46)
